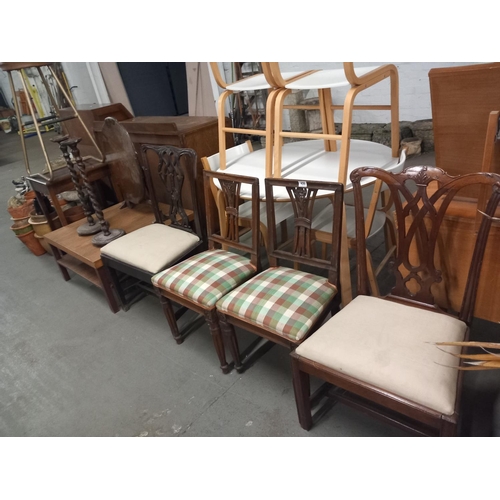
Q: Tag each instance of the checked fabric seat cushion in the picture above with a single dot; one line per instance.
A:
(205, 277)
(281, 300)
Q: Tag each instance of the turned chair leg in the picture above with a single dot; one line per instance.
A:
(302, 390)
(230, 340)
(215, 331)
(168, 310)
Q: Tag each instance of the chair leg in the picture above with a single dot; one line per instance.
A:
(326, 112)
(448, 429)
(395, 133)
(222, 125)
(278, 139)
(271, 99)
(215, 332)
(119, 292)
(168, 310)
(230, 340)
(302, 390)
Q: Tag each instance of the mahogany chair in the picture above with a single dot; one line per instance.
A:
(259, 81)
(284, 305)
(198, 282)
(378, 354)
(173, 236)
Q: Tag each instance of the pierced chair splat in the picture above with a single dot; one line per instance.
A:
(173, 236)
(379, 354)
(283, 305)
(198, 282)
(284, 212)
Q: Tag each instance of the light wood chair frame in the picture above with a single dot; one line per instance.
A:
(358, 84)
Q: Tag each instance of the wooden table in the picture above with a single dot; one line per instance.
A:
(77, 253)
(307, 160)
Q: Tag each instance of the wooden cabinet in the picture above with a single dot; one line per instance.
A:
(464, 101)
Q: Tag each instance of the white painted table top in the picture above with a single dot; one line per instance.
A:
(307, 160)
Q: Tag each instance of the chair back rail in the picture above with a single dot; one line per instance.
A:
(420, 208)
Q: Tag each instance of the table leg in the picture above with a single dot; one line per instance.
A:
(107, 286)
(57, 255)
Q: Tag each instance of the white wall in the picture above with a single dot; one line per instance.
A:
(78, 76)
(414, 91)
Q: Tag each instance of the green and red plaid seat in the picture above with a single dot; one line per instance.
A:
(205, 277)
(281, 300)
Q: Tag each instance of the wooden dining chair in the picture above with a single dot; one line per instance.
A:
(378, 354)
(284, 305)
(173, 235)
(198, 282)
(284, 210)
(260, 81)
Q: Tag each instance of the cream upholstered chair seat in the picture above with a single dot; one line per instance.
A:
(151, 248)
(391, 346)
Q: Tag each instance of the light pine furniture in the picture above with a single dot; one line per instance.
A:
(323, 81)
(379, 354)
(262, 81)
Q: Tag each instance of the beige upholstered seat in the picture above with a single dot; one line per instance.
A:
(151, 248)
(391, 346)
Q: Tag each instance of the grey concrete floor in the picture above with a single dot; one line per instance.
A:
(70, 367)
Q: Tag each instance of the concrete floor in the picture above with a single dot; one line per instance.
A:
(69, 367)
